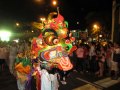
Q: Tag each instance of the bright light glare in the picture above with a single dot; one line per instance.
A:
(100, 35)
(54, 2)
(38, 0)
(17, 24)
(42, 19)
(95, 26)
(5, 35)
(16, 40)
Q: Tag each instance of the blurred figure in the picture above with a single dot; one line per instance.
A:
(12, 56)
(80, 67)
(116, 60)
(101, 61)
(92, 58)
(109, 55)
(2, 56)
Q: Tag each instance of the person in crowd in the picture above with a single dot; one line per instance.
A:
(109, 52)
(12, 56)
(101, 61)
(80, 59)
(92, 58)
(73, 59)
(86, 57)
(3, 56)
(21, 47)
(116, 60)
(2, 60)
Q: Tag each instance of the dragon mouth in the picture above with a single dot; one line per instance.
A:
(57, 56)
(54, 53)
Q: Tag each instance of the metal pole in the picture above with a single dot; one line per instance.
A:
(119, 15)
(113, 19)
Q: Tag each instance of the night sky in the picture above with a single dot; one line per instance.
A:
(81, 11)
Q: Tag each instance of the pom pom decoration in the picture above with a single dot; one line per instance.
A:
(72, 39)
(67, 41)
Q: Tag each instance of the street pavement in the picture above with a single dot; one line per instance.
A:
(90, 82)
(75, 81)
(7, 81)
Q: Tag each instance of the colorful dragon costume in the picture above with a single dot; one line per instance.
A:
(52, 46)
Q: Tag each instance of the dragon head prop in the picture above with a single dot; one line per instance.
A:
(53, 45)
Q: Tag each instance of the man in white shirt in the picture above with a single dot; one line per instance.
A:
(12, 56)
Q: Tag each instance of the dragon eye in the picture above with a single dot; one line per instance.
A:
(56, 41)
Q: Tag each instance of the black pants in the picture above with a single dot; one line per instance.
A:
(63, 74)
(80, 64)
(94, 67)
(2, 62)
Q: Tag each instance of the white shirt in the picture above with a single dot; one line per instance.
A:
(13, 51)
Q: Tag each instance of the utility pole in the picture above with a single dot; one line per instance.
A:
(119, 17)
(113, 19)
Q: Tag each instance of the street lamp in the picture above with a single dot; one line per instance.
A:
(17, 24)
(96, 30)
(38, 0)
(113, 19)
(54, 2)
(115, 5)
(96, 26)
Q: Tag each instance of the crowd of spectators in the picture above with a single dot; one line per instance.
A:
(93, 58)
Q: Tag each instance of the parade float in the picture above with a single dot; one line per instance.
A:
(49, 50)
